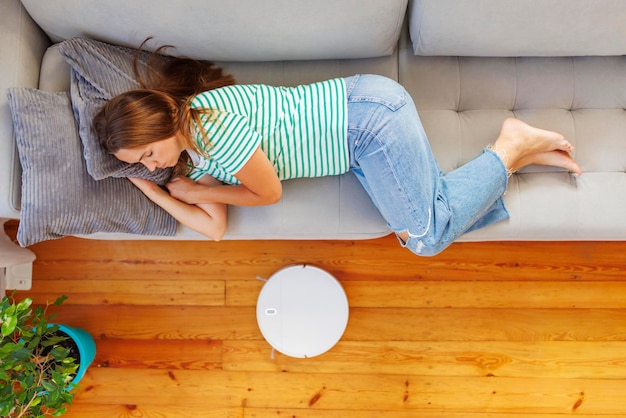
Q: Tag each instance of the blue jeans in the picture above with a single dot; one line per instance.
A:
(391, 157)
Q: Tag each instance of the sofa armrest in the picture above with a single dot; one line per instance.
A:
(22, 45)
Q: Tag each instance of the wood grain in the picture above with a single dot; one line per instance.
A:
(489, 330)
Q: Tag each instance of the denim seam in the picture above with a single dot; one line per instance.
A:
(366, 99)
(502, 164)
(383, 148)
(354, 80)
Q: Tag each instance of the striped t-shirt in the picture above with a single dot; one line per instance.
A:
(302, 130)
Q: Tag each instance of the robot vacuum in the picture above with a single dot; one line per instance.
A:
(302, 311)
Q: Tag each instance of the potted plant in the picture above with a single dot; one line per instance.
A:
(40, 362)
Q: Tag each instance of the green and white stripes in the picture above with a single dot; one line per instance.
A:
(301, 129)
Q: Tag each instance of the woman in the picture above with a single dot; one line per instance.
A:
(234, 144)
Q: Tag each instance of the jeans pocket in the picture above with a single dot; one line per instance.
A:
(379, 90)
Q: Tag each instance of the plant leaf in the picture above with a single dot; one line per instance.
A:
(5, 408)
(21, 354)
(36, 401)
(60, 300)
(7, 348)
(59, 353)
(59, 412)
(9, 323)
(49, 386)
(24, 304)
(53, 340)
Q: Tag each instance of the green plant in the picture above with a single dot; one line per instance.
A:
(36, 367)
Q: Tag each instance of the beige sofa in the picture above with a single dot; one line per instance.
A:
(468, 64)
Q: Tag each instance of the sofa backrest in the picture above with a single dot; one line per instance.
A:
(509, 28)
(244, 30)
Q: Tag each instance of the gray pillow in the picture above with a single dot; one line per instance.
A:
(59, 197)
(100, 72)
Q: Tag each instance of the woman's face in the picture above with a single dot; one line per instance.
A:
(159, 154)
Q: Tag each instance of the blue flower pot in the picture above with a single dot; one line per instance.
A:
(86, 348)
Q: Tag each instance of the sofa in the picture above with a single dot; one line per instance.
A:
(468, 64)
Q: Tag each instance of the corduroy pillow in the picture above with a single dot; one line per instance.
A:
(59, 197)
(100, 72)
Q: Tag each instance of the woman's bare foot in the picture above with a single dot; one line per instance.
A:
(556, 158)
(518, 140)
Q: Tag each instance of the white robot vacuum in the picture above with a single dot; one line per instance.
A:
(302, 311)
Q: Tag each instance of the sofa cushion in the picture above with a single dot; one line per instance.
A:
(99, 73)
(510, 28)
(58, 196)
(250, 30)
(463, 101)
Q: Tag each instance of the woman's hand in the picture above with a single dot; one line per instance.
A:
(148, 187)
(260, 186)
(182, 188)
(206, 218)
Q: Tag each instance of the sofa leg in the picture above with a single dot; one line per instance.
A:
(16, 264)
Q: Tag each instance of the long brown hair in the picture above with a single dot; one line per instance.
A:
(160, 109)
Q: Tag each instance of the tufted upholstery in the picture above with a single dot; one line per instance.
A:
(463, 100)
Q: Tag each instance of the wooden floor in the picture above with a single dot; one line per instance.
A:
(484, 330)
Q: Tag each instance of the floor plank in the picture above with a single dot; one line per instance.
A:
(127, 291)
(343, 413)
(164, 354)
(151, 411)
(364, 324)
(459, 294)
(347, 391)
(542, 359)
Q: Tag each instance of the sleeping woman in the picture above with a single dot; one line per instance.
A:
(234, 144)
